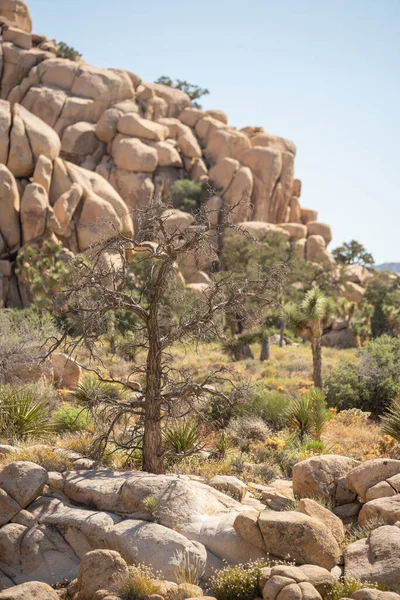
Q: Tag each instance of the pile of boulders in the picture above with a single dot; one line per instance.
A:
(81, 145)
(50, 521)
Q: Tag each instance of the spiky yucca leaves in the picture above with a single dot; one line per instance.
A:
(182, 437)
(92, 391)
(390, 421)
(307, 415)
(22, 415)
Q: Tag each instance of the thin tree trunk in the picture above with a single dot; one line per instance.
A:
(264, 354)
(153, 461)
(281, 333)
(153, 458)
(316, 335)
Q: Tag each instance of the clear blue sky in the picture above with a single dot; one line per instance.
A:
(323, 73)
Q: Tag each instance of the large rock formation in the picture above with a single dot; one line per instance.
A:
(64, 124)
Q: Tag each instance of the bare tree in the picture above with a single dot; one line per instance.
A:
(139, 281)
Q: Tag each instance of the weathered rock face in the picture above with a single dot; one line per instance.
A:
(375, 558)
(291, 535)
(324, 477)
(34, 590)
(109, 121)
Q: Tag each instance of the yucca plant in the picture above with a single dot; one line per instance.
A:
(315, 310)
(182, 437)
(298, 416)
(22, 415)
(93, 392)
(390, 422)
(307, 415)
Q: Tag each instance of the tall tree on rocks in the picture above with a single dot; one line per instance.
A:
(137, 280)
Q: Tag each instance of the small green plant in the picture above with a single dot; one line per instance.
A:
(150, 503)
(182, 437)
(271, 407)
(193, 91)
(186, 195)
(65, 51)
(346, 589)
(139, 584)
(22, 415)
(70, 419)
(92, 392)
(307, 415)
(237, 583)
(315, 446)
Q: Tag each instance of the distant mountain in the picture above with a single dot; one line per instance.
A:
(394, 267)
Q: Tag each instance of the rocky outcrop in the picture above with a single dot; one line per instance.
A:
(324, 478)
(291, 535)
(375, 558)
(109, 121)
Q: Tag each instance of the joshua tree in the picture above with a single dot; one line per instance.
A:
(138, 281)
(313, 313)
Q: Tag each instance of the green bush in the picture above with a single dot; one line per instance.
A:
(22, 414)
(65, 51)
(346, 589)
(237, 583)
(271, 407)
(182, 437)
(92, 392)
(244, 430)
(186, 195)
(372, 383)
(70, 419)
(23, 334)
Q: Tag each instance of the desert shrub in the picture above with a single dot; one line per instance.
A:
(70, 419)
(186, 195)
(234, 402)
(23, 335)
(243, 430)
(182, 437)
(237, 583)
(267, 472)
(22, 414)
(43, 271)
(189, 568)
(193, 91)
(284, 457)
(315, 446)
(41, 455)
(65, 51)
(358, 532)
(92, 392)
(270, 406)
(307, 414)
(139, 584)
(346, 589)
(372, 383)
